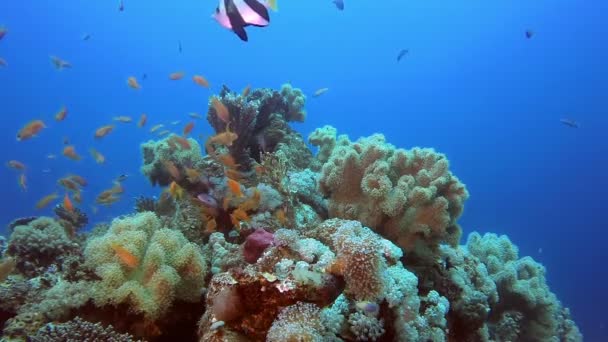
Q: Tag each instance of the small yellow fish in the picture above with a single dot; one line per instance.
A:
(22, 182)
(123, 119)
(46, 200)
(156, 128)
(99, 158)
(320, 92)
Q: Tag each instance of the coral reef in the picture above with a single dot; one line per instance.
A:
(410, 196)
(259, 241)
(259, 121)
(73, 220)
(166, 160)
(145, 265)
(78, 330)
(39, 244)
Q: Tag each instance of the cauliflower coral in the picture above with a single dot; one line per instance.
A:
(406, 195)
(142, 264)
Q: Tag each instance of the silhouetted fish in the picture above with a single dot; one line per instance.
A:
(121, 6)
(86, 37)
(402, 54)
(179, 46)
(569, 123)
(339, 4)
(529, 34)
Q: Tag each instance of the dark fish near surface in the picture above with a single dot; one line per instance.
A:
(569, 123)
(402, 54)
(86, 37)
(144, 76)
(529, 34)
(179, 46)
(235, 15)
(121, 6)
(122, 178)
(339, 4)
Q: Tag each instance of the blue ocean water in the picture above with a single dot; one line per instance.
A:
(472, 86)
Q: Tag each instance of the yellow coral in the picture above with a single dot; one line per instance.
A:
(171, 267)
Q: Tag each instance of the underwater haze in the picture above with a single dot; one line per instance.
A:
(514, 93)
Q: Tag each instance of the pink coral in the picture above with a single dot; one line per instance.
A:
(256, 243)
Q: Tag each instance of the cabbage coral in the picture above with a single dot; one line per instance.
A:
(408, 196)
(144, 265)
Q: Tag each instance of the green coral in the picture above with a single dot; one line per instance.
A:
(409, 196)
(40, 244)
(168, 267)
(156, 153)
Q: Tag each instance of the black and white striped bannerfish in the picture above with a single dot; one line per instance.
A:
(235, 15)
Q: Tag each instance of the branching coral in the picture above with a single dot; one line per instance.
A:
(259, 120)
(144, 265)
(407, 196)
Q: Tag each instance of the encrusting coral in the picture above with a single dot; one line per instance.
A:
(144, 265)
(408, 196)
(39, 244)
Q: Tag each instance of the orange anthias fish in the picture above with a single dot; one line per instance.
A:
(235, 187)
(246, 91)
(69, 184)
(201, 81)
(3, 32)
(59, 64)
(22, 182)
(176, 191)
(132, 82)
(188, 128)
(70, 152)
(67, 203)
(172, 169)
(183, 142)
(156, 128)
(125, 256)
(15, 164)
(220, 110)
(142, 120)
(99, 158)
(103, 131)
(31, 129)
(46, 200)
(176, 76)
(77, 197)
(227, 139)
(78, 180)
(61, 114)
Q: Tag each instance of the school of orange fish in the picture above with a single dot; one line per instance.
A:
(72, 185)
